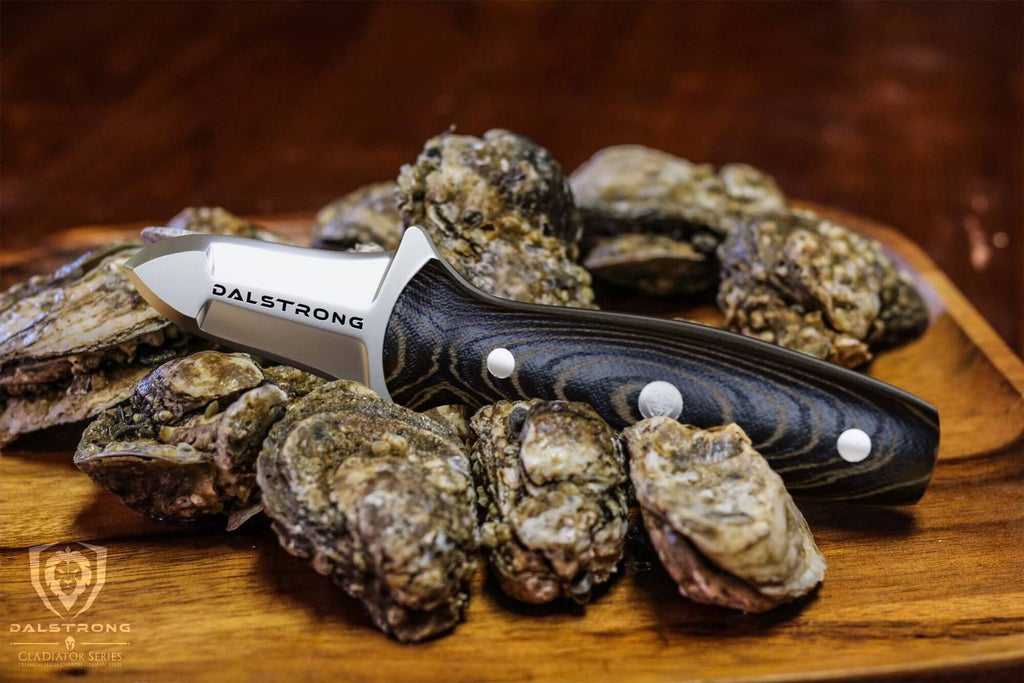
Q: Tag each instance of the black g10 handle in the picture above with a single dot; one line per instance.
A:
(830, 432)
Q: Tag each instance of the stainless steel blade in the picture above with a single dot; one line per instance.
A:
(320, 310)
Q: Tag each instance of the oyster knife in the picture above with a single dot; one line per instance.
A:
(410, 327)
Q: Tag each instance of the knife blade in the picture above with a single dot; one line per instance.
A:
(410, 327)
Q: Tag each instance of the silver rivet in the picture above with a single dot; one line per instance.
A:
(501, 362)
(660, 398)
(853, 445)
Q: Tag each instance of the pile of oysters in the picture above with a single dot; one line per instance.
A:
(397, 506)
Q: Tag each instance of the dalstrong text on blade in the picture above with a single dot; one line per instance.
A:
(272, 302)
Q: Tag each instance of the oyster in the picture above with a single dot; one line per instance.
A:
(78, 341)
(454, 417)
(185, 445)
(362, 220)
(551, 477)
(219, 221)
(652, 221)
(904, 313)
(719, 517)
(812, 285)
(657, 264)
(294, 382)
(501, 212)
(381, 499)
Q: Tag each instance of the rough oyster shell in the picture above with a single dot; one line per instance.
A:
(361, 220)
(381, 499)
(185, 445)
(662, 199)
(812, 285)
(76, 342)
(220, 221)
(551, 478)
(720, 519)
(657, 264)
(296, 383)
(501, 212)
(455, 417)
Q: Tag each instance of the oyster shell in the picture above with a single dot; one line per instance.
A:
(219, 221)
(381, 499)
(364, 219)
(501, 212)
(78, 341)
(455, 417)
(653, 221)
(657, 264)
(812, 285)
(294, 382)
(551, 478)
(904, 313)
(185, 445)
(720, 519)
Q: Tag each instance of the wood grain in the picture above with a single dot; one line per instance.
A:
(931, 592)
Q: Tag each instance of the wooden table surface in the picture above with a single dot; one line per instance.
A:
(909, 113)
(932, 591)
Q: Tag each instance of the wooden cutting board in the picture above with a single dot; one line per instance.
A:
(936, 587)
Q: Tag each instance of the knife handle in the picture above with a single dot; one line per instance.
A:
(794, 407)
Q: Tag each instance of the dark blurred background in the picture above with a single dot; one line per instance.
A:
(910, 114)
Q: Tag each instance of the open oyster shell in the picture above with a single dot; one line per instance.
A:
(551, 478)
(652, 221)
(185, 445)
(501, 212)
(815, 286)
(719, 517)
(381, 499)
(362, 220)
